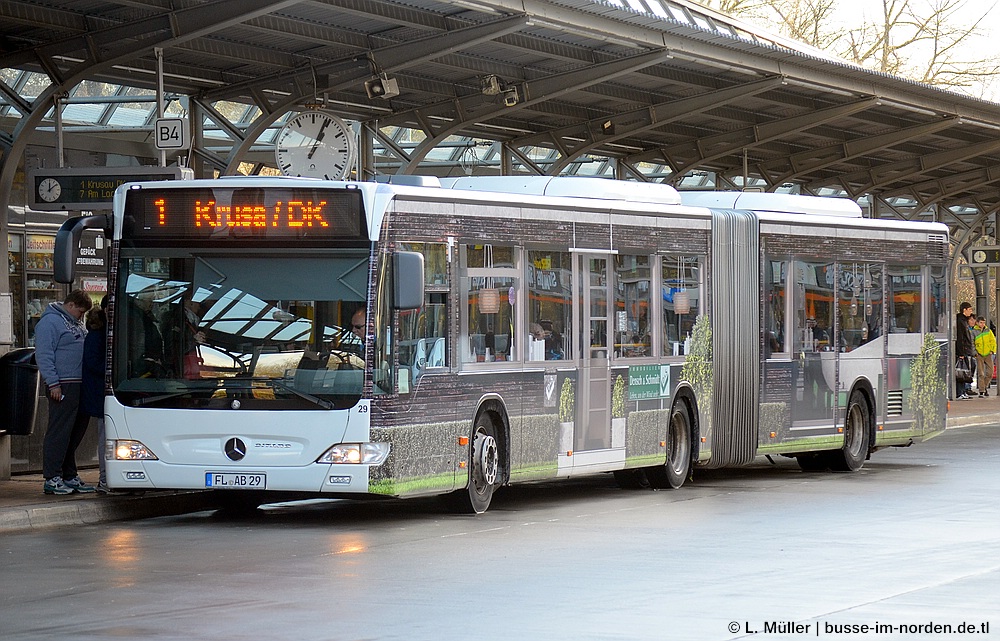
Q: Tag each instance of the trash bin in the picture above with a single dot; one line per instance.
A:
(19, 380)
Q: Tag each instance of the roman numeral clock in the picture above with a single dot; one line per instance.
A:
(315, 144)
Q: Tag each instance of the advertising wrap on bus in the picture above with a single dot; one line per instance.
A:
(276, 335)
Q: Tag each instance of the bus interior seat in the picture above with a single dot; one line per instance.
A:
(436, 356)
(419, 357)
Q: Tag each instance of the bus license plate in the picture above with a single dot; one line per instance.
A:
(235, 481)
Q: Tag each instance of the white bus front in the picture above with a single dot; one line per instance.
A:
(240, 326)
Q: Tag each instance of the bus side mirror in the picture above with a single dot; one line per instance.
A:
(68, 242)
(408, 280)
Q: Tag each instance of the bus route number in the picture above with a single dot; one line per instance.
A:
(220, 480)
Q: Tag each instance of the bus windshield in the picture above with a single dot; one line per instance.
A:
(213, 328)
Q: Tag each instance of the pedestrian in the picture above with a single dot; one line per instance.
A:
(986, 349)
(92, 394)
(59, 338)
(964, 346)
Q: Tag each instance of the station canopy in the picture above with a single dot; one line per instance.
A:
(658, 90)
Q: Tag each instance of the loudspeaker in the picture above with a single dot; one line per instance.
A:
(382, 87)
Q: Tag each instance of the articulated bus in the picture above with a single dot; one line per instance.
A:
(271, 337)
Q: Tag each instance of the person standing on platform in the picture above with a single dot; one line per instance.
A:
(986, 349)
(59, 338)
(92, 395)
(964, 346)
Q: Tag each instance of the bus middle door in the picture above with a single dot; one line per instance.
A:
(594, 404)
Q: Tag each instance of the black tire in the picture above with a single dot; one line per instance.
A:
(813, 462)
(857, 430)
(677, 467)
(484, 469)
(634, 479)
(238, 502)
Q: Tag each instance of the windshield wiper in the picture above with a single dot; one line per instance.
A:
(147, 400)
(325, 404)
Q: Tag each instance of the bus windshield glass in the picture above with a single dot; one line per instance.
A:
(212, 329)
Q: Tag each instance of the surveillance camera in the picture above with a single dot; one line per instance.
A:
(510, 97)
(491, 85)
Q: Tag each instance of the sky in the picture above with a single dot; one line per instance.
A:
(853, 13)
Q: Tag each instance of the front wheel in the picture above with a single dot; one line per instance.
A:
(851, 457)
(484, 469)
(238, 502)
(678, 464)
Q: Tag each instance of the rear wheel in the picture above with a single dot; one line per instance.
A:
(851, 457)
(484, 469)
(678, 465)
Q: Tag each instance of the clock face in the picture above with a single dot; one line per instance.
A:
(979, 257)
(315, 144)
(49, 190)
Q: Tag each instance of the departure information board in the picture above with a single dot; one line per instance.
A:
(244, 214)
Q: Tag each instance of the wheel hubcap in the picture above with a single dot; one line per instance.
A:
(486, 459)
(854, 431)
(677, 433)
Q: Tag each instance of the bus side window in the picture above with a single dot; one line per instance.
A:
(680, 301)
(549, 284)
(904, 298)
(489, 284)
(775, 298)
(423, 332)
(632, 337)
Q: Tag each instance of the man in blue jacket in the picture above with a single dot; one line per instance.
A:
(59, 337)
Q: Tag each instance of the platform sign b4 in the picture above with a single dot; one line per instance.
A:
(172, 133)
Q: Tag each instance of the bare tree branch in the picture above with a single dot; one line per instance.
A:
(925, 40)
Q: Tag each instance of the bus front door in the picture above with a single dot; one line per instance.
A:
(594, 404)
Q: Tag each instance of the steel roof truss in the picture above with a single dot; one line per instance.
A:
(211, 112)
(534, 92)
(14, 98)
(804, 162)
(882, 176)
(589, 135)
(711, 148)
(391, 58)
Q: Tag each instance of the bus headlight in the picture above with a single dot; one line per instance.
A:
(132, 451)
(367, 453)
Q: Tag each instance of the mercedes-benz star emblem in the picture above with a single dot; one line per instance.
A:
(236, 449)
(235, 404)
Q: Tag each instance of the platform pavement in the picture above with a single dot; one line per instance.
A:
(24, 507)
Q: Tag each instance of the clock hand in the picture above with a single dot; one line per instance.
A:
(319, 139)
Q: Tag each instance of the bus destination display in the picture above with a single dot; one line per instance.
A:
(244, 213)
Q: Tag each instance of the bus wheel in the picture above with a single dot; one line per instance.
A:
(678, 465)
(812, 462)
(633, 479)
(851, 457)
(483, 469)
(238, 502)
